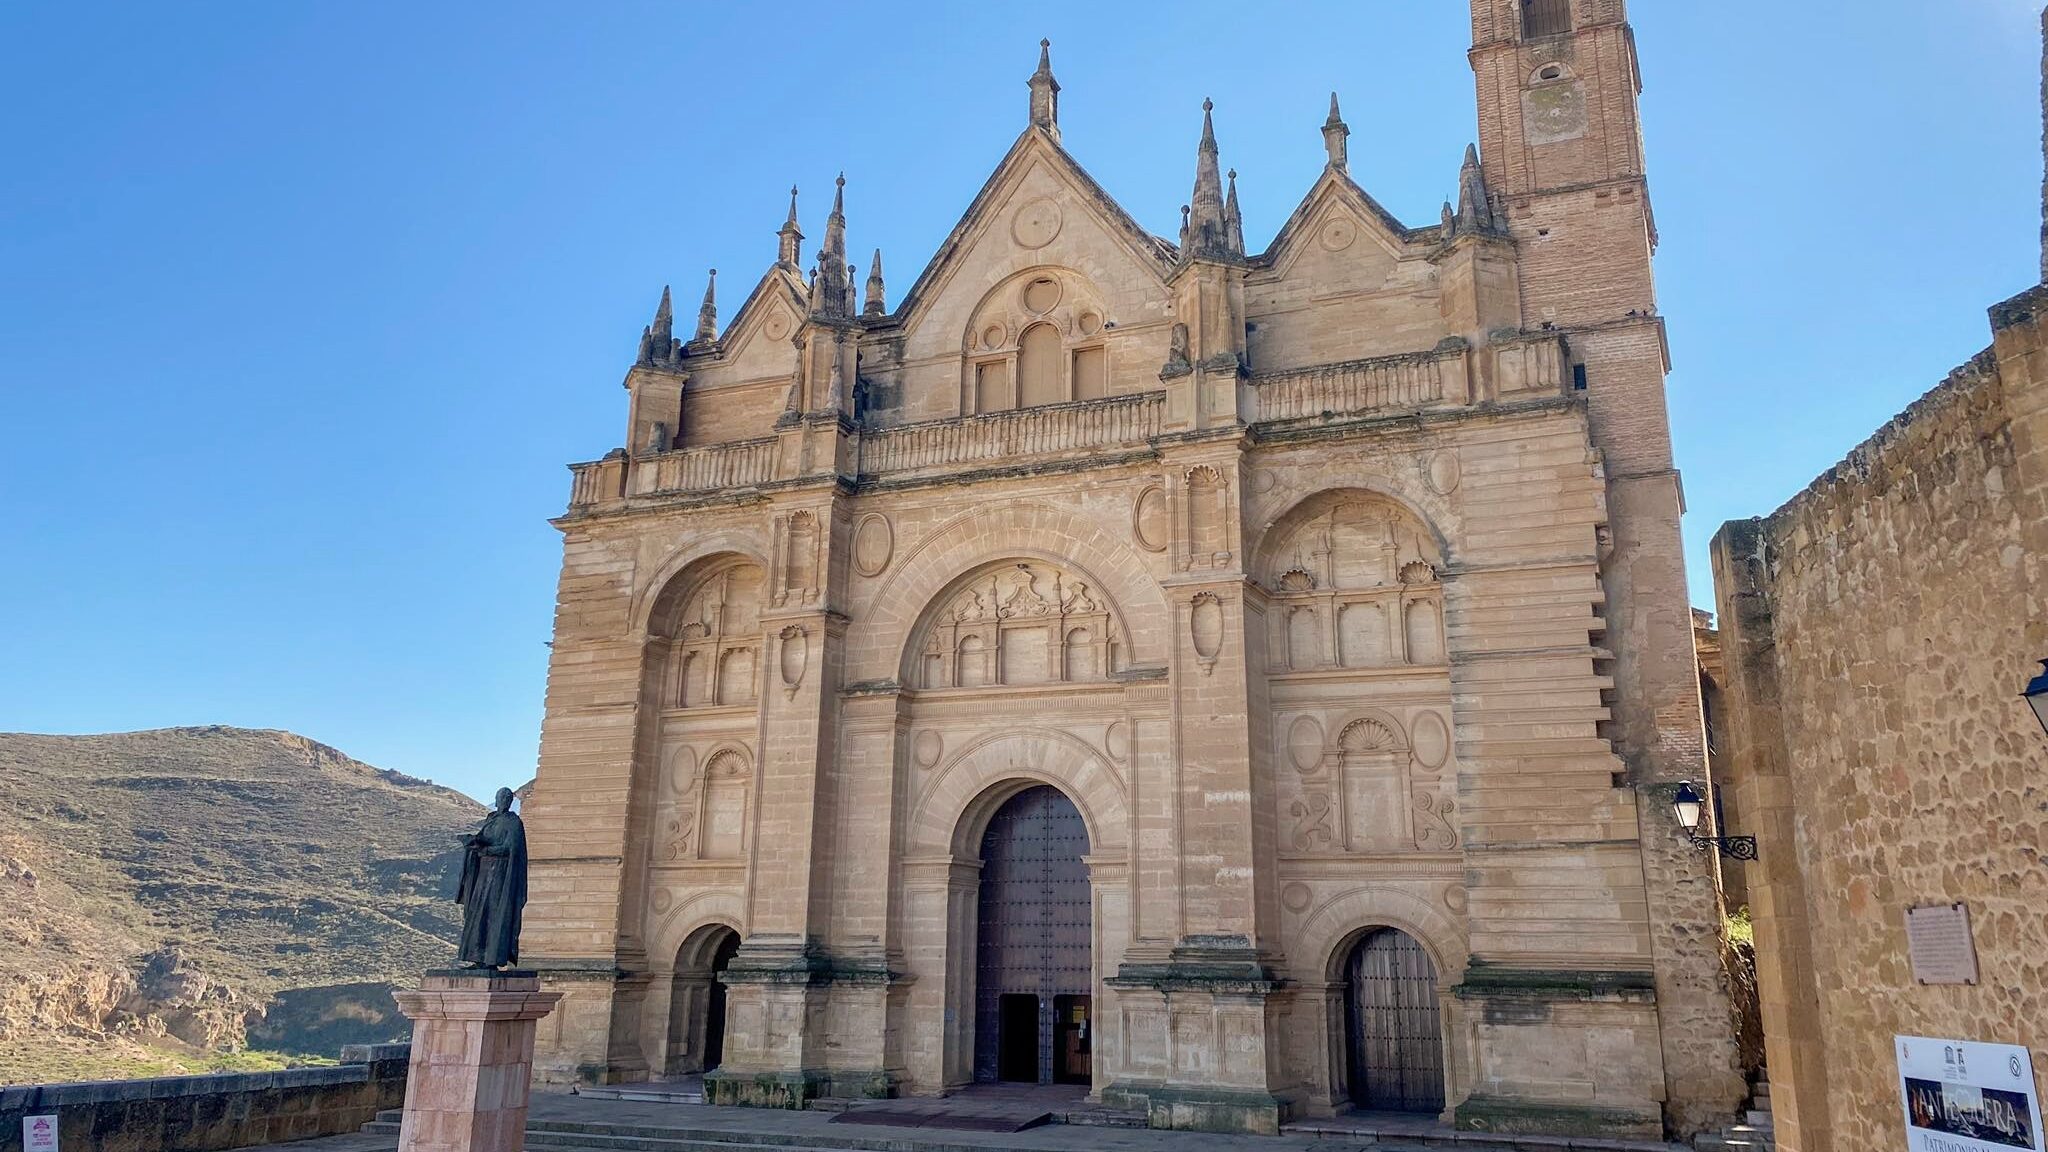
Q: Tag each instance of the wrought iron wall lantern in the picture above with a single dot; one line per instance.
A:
(1690, 806)
(2036, 695)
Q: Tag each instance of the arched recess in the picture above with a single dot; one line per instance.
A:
(1319, 950)
(662, 583)
(1356, 577)
(943, 836)
(694, 1031)
(880, 641)
(1037, 337)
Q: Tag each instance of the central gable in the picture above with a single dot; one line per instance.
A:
(1038, 209)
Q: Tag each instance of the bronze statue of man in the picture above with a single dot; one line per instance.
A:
(493, 888)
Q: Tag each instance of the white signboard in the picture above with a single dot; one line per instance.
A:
(1962, 1096)
(39, 1134)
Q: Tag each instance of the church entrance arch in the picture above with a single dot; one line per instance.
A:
(1393, 1034)
(1033, 968)
(696, 1014)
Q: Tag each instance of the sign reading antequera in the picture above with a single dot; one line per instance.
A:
(1967, 1097)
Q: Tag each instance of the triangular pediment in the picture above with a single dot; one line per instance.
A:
(766, 319)
(1335, 202)
(1035, 168)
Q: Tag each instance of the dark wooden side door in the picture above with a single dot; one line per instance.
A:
(1396, 1044)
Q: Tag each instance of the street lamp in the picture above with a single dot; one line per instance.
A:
(1690, 806)
(2036, 696)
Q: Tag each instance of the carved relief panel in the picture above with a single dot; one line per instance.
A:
(1354, 585)
(704, 811)
(1363, 783)
(1018, 623)
(714, 644)
(1205, 519)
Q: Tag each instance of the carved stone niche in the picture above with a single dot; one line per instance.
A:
(1018, 622)
(799, 559)
(705, 814)
(1353, 583)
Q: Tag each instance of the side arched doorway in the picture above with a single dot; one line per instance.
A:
(1032, 956)
(1394, 1036)
(696, 1007)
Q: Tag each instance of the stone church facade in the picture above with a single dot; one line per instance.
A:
(1248, 683)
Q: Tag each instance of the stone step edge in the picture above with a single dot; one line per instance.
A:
(1498, 1141)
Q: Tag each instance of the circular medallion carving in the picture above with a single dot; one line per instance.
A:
(873, 541)
(1035, 223)
(1295, 897)
(1116, 740)
(682, 769)
(927, 747)
(1431, 740)
(663, 900)
(1338, 234)
(1454, 897)
(992, 336)
(776, 326)
(1442, 471)
(1090, 323)
(1305, 743)
(1041, 294)
(1264, 480)
(1148, 519)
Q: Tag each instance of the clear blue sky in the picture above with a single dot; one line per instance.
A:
(304, 307)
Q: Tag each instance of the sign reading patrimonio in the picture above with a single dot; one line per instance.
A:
(1962, 1096)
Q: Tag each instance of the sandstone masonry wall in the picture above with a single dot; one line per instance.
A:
(1878, 629)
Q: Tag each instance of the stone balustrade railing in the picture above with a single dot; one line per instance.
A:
(1052, 428)
(1414, 380)
(1453, 374)
(739, 464)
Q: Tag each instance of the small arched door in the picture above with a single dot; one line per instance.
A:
(696, 1020)
(1395, 1041)
(1032, 971)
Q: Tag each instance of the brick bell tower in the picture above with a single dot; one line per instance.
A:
(1562, 157)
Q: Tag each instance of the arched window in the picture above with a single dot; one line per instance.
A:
(1038, 367)
(1545, 17)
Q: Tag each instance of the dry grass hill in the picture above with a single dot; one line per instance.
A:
(170, 898)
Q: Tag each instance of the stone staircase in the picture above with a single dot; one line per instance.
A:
(1752, 1134)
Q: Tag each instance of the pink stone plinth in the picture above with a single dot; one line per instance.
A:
(472, 1060)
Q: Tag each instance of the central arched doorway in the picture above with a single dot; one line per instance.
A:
(1394, 1037)
(696, 1007)
(1032, 960)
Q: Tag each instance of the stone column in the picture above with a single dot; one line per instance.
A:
(472, 1059)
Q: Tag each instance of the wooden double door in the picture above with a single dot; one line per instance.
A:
(1395, 1033)
(1033, 967)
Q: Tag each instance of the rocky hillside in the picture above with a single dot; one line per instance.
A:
(170, 895)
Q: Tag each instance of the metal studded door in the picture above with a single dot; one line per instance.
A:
(1033, 943)
(1397, 1048)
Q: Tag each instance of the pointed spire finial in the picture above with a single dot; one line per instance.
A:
(1475, 211)
(658, 344)
(1336, 137)
(1233, 221)
(1208, 229)
(876, 304)
(789, 253)
(707, 312)
(832, 287)
(1045, 93)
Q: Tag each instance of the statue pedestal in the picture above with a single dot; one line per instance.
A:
(472, 1059)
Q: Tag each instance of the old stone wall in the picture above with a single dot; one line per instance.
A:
(201, 1113)
(1879, 628)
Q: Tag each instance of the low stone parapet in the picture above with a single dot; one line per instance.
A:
(202, 1113)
